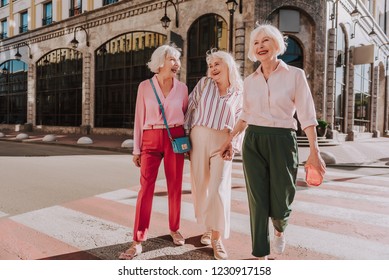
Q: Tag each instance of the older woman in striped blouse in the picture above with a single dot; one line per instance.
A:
(213, 110)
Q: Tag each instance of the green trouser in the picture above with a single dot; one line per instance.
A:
(270, 163)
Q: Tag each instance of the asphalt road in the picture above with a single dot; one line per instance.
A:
(12, 149)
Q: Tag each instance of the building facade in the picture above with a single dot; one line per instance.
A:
(74, 65)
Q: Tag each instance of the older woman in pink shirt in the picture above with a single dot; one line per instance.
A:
(272, 95)
(152, 144)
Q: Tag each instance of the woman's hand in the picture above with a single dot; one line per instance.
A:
(315, 160)
(136, 160)
(314, 157)
(226, 151)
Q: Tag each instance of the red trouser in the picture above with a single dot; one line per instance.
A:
(155, 146)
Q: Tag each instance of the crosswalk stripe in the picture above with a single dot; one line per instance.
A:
(74, 228)
(18, 241)
(366, 206)
(340, 226)
(355, 175)
(323, 191)
(352, 215)
(341, 245)
(362, 188)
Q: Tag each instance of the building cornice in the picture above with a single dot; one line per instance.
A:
(89, 20)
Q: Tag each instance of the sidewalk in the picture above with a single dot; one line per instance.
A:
(372, 152)
(104, 142)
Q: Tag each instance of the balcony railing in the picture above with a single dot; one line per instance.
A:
(23, 28)
(47, 21)
(3, 35)
(75, 11)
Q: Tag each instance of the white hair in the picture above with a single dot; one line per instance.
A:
(271, 31)
(158, 57)
(233, 68)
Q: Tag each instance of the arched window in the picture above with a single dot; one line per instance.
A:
(13, 92)
(120, 67)
(59, 88)
(208, 31)
(293, 54)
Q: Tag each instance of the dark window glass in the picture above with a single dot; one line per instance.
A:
(13, 92)
(75, 7)
(59, 88)
(23, 22)
(293, 54)
(3, 3)
(4, 29)
(120, 67)
(47, 13)
(208, 31)
(107, 2)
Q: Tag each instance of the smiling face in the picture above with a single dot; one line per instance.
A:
(264, 48)
(218, 69)
(170, 66)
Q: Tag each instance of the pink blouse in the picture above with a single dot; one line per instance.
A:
(273, 102)
(148, 113)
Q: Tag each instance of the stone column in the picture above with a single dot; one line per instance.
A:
(86, 89)
(240, 45)
(31, 95)
(350, 99)
(374, 102)
(331, 77)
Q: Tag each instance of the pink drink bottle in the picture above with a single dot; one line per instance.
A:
(312, 176)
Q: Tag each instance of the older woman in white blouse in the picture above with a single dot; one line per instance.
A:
(272, 95)
(213, 110)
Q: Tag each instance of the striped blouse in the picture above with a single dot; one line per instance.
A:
(207, 108)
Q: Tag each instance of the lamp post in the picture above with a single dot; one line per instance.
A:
(231, 6)
(75, 42)
(165, 20)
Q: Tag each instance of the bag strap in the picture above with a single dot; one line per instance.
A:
(162, 110)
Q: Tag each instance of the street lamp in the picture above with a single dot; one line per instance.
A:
(231, 6)
(18, 56)
(75, 42)
(371, 33)
(355, 12)
(165, 20)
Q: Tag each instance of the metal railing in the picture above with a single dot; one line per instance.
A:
(47, 20)
(23, 28)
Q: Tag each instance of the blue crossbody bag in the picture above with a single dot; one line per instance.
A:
(181, 144)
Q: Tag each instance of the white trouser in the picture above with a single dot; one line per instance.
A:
(211, 179)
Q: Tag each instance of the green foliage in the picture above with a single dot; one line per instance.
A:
(322, 123)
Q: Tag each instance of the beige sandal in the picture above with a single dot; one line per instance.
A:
(134, 250)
